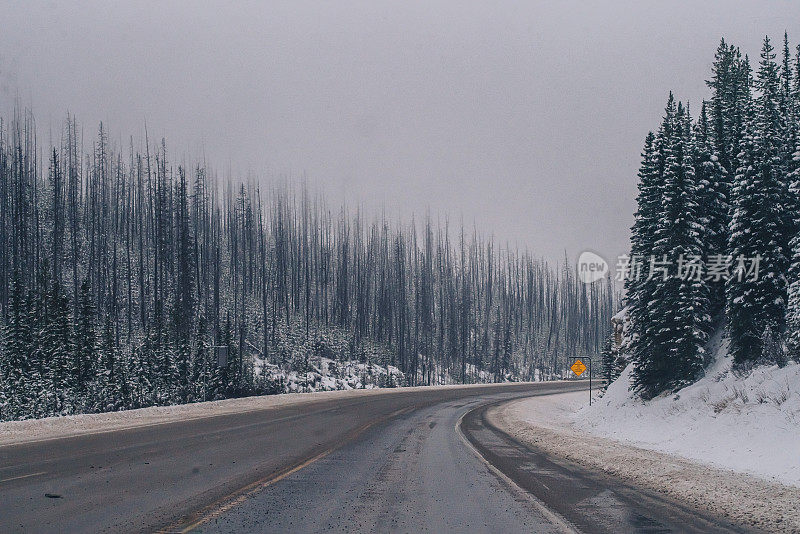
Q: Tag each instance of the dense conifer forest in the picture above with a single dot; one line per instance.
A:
(127, 280)
(716, 239)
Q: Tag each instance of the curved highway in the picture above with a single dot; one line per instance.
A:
(404, 461)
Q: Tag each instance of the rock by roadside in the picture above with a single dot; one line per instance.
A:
(541, 422)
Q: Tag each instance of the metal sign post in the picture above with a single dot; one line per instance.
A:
(579, 368)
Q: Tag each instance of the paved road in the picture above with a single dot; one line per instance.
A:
(415, 474)
(589, 501)
(174, 474)
(383, 463)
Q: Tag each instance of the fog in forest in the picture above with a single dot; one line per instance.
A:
(524, 118)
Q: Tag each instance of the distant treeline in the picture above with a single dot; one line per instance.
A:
(127, 281)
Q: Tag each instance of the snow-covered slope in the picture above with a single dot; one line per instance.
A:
(744, 422)
(325, 374)
(547, 423)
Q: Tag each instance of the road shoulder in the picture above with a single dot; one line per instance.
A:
(542, 423)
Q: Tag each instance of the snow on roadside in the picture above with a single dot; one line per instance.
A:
(14, 432)
(547, 424)
(729, 436)
(327, 378)
(747, 423)
(325, 374)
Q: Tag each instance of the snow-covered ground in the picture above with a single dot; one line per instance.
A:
(729, 435)
(325, 374)
(549, 424)
(748, 423)
(743, 421)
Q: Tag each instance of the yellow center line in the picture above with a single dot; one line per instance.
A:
(251, 489)
(23, 476)
(242, 494)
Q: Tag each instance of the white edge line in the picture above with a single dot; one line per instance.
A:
(549, 514)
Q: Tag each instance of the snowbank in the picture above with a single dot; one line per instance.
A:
(325, 374)
(730, 443)
(549, 424)
(748, 423)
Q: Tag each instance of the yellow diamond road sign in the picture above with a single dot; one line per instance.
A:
(578, 368)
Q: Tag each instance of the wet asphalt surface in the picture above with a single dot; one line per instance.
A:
(589, 500)
(170, 475)
(405, 461)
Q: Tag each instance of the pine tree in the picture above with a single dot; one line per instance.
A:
(202, 368)
(85, 355)
(648, 201)
(15, 365)
(713, 193)
(232, 370)
(610, 359)
(786, 80)
(793, 310)
(760, 223)
(730, 91)
(640, 288)
(674, 336)
(44, 398)
(790, 93)
(57, 351)
(107, 380)
(184, 302)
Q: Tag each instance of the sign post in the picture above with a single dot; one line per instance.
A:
(578, 367)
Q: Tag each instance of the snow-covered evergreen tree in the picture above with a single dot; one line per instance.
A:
(760, 223)
(85, 358)
(639, 288)
(57, 351)
(184, 301)
(612, 361)
(15, 365)
(730, 91)
(677, 309)
(648, 201)
(713, 203)
(793, 175)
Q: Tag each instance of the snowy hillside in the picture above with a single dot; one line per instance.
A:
(747, 422)
(325, 374)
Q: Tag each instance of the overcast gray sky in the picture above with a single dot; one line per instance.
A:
(526, 118)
